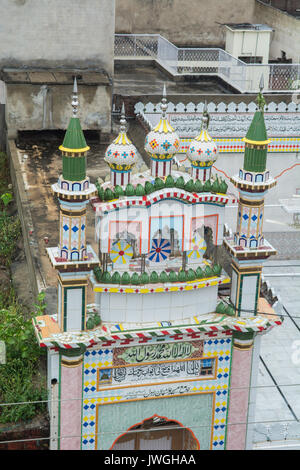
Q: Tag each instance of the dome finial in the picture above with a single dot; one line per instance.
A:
(75, 98)
(123, 121)
(205, 117)
(163, 104)
(260, 99)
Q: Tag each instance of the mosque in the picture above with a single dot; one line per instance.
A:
(162, 359)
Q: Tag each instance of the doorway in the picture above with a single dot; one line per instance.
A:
(157, 433)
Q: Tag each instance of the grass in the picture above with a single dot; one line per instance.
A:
(20, 380)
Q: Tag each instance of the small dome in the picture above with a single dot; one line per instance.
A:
(162, 142)
(121, 151)
(203, 151)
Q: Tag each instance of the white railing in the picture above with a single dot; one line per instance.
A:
(208, 61)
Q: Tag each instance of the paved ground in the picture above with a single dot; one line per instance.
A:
(146, 80)
(278, 408)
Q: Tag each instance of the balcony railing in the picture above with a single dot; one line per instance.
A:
(208, 61)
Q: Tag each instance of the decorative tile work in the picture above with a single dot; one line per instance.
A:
(146, 201)
(215, 347)
(278, 144)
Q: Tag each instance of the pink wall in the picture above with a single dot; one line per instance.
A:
(70, 410)
(238, 400)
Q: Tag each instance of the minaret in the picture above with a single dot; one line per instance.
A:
(248, 247)
(73, 258)
(121, 155)
(203, 151)
(162, 143)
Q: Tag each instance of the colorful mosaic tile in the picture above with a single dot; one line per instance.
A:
(214, 347)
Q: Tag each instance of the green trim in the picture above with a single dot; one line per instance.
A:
(74, 168)
(74, 138)
(255, 159)
(66, 289)
(243, 335)
(74, 352)
(241, 291)
(257, 130)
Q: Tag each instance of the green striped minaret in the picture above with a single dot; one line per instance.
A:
(248, 246)
(256, 144)
(74, 147)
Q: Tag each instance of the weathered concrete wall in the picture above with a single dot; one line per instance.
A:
(56, 35)
(37, 107)
(287, 30)
(183, 22)
(51, 33)
(2, 117)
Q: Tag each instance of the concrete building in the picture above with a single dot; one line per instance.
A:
(44, 45)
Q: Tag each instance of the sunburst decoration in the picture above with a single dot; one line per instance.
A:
(198, 248)
(121, 252)
(160, 250)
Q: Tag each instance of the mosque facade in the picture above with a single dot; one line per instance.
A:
(161, 360)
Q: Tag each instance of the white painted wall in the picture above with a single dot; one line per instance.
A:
(167, 306)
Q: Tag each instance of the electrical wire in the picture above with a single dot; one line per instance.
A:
(94, 397)
(131, 431)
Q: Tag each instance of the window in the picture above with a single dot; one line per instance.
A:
(207, 366)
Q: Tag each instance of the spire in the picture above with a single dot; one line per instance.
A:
(123, 119)
(256, 140)
(205, 117)
(163, 104)
(260, 99)
(75, 98)
(74, 141)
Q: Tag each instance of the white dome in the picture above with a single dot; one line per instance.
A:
(202, 151)
(121, 152)
(162, 142)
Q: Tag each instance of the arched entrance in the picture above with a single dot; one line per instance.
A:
(157, 433)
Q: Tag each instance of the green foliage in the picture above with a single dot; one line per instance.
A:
(17, 386)
(10, 230)
(19, 381)
(6, 198)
